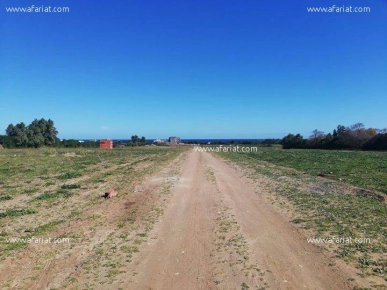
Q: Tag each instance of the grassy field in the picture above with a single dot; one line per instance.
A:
(42, 188)
(360, 168)
(324, 207)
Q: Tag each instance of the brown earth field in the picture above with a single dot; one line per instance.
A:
(197, 222)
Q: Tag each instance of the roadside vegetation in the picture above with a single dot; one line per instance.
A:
(354, 137)
(324, 207)
(359, 168)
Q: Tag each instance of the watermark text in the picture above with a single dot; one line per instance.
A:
(38, 240)
(221, 148)
(338, 9)
(37, 9)
(339, 240)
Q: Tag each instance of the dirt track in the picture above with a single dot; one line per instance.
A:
(197, 224)
(218, 233)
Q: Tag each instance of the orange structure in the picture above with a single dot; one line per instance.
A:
(106, 144)
(110, 193)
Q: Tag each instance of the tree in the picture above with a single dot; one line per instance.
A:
(335, 134)
(378, 142)
(49, 132)
(10, 131)
(340, 130)
(316, 134)
(35, 134)
(135, 140)
(356, 127)
(381, 131)
(7, 141)
(355, 136)
(338, 141)
(21, 136)
(316, 139)
(71, 143)
(38, 133)
(293, 141)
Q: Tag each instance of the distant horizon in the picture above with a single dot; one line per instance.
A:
(182, 139)
(215, 137)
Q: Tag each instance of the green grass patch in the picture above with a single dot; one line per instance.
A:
(70, 186)
(40, 230)
(16, 212)
(58, 194)
(30, 191)
(6, 197)
(360, 168)
(129, 249)
(69, 175)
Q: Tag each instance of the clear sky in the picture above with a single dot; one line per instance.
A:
(194, 69)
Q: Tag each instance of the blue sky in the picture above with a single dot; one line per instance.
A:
(195, 69)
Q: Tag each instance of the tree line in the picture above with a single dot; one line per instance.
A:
(43, 133)
(39, 133)
(354, 137)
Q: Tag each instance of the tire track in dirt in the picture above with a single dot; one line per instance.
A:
(275, 245)
(218, 233)
(180, 258)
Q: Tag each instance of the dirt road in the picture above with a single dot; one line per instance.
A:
(218, 233)
(197, 224)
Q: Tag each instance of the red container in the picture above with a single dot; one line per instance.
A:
(106, 144)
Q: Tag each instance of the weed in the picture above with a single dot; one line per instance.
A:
(70, 186)
(16, 212)
(56, 194)
(6, 197)
(69, 175)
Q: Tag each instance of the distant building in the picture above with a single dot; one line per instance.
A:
(106, 144)
(174, 140)
(159, 141)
